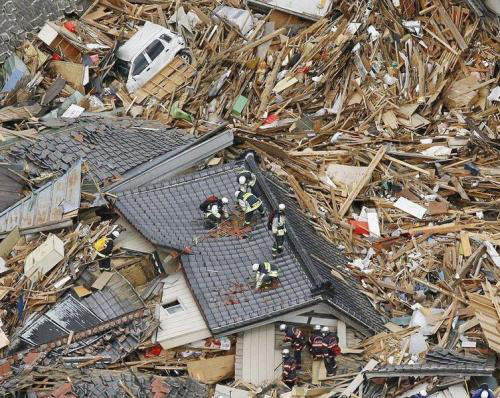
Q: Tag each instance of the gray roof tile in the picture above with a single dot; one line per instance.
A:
(219, 269)
(116, 147)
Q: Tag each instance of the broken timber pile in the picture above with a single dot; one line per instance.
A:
(383, 119)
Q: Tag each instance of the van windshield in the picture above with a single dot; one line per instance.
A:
(140, 63)
(123, 67)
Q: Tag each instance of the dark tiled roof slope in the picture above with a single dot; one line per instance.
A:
(20, 18)
(346, 296)
(112, 147)
(440, 362)
(218, 270)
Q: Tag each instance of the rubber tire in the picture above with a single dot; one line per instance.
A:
(186, 57)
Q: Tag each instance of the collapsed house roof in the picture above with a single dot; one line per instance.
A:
(439, 362)
(219, 269)
(11, 186)
(18, 18)
(76, 314)
(111, 147)
(50, 205)
(98, 384)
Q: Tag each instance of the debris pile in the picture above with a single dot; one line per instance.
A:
(377, 124)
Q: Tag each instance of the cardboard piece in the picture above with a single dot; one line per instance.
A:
(82, 291)
(213, 370)
(9, 242)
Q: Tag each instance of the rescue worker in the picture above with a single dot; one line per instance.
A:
(247, 180)
(316, 331)
(316, 341)
(330, 350)
(289, 376)
(215, 211)
(266, 274)
(296, 337)
(483, 392)
(278, 228)
(104, 247)
(250, 204)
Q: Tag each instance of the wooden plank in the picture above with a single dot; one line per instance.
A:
(353, 386)
(445, 18)
(436, 229)
(464, 240)
(102, 280)
(359, 186)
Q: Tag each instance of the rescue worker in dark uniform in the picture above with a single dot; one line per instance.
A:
(104, 247)
(266, 274)
(483, 392)
(289, 376)
(215, 211)
(316, 345)
(247, 181)
(278, 229)
(250, 204)
(315, 332)
(330, 349)
(297, 339)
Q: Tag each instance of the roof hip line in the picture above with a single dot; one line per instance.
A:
(306, 263)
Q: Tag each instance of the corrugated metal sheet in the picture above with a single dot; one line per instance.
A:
(67, 315)
(46, 206)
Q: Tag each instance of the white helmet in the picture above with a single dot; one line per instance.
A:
(225, 200)
(255, 267)
(242, 180)
(485, 394)
(285, 352)
(325, 329)
(282, 327)
(317, 327)
(281, 206)
(423, 393)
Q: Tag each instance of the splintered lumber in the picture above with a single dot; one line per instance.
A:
(488, 318)
(359, 186)
(358, 380)
(436, 229)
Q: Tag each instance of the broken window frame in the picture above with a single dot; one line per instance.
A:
(173, 307)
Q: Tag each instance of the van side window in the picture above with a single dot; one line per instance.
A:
(140, 64)
(166, 38)
(154, 49)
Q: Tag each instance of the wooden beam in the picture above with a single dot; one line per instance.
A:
(354, 385)
(445, 18)
(359, 186)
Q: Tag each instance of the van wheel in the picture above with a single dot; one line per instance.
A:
(186, 57)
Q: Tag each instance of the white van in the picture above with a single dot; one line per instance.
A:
(147, 52)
